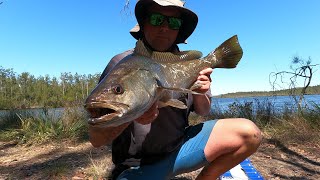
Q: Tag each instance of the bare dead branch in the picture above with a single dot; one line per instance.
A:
(304, 71)
(126, 9)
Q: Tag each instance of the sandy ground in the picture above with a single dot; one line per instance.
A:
(81, 161)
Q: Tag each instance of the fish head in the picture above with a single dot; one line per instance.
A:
(122, 96)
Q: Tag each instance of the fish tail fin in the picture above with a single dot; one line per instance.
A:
(227, 55)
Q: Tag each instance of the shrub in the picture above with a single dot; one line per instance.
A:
(45, 127)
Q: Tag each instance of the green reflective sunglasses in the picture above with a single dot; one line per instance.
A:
(156, 19)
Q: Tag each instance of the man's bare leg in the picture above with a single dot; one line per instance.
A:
(231, 141)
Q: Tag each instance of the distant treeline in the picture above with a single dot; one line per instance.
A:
(286, 92)
(27, 91)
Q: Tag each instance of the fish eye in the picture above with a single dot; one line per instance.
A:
(117, 89)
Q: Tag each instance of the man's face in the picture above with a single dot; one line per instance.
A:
(161, 37)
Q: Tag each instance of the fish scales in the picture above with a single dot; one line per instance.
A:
(145, 77)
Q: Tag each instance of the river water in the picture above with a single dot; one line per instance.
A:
(278, 102)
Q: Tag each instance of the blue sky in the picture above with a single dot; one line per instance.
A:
(50, 37)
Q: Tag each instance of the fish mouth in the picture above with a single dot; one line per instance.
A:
(104, 113)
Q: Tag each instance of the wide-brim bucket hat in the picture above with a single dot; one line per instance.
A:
(189, 18)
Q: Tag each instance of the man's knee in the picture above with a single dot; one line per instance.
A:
(241, 132)
(250, 133)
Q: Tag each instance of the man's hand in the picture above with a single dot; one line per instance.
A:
(205, 80)
(149, 116)
(202, 103)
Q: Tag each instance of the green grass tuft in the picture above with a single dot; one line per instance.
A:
(72, 126)
(288, 126)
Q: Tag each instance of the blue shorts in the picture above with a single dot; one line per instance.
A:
(189, 157)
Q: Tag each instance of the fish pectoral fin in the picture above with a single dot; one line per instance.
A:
(173, 103)
(182, 90)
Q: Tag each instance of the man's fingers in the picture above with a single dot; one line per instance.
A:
(206, 71)
(204, 78)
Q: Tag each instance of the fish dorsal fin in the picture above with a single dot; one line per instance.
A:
(141, 50)
(164, 57)
(176, 57)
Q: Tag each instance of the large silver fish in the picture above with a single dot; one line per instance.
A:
(141, 79)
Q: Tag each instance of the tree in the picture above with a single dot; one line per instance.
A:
(301, 73)
(7, 83)
(25, 90)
